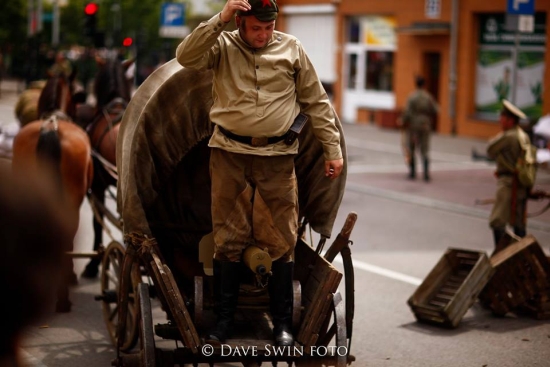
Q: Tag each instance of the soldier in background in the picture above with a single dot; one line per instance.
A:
(418, 119)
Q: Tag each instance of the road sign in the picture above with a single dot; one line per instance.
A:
(521, 7)
(172, 21)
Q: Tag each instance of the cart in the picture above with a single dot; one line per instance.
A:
(164, 201)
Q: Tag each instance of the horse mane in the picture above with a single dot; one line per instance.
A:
(111, 83)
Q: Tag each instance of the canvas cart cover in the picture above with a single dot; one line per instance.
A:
(162, 161)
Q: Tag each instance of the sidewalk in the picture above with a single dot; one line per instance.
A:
(377, 167)
(11, 86)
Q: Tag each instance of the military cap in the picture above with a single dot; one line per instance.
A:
(509, 107)
(264, 10)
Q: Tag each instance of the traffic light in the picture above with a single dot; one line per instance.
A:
(127, 42)
(90, 20)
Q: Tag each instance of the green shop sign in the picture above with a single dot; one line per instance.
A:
(492, 31)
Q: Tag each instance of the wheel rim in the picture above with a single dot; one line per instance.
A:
(110, 283)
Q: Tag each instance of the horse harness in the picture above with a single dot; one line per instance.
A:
(112, 113)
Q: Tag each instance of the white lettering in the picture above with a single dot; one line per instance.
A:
(239, 351)
(517, 2)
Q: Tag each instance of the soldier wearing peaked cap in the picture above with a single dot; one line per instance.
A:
(511, 196)
(262, 81)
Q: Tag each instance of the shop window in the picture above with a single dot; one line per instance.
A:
(504, 71)
(379, 70)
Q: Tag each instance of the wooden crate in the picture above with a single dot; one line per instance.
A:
(319, 280)
(522, 273)
(451, 287)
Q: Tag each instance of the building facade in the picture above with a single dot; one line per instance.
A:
(368, 52)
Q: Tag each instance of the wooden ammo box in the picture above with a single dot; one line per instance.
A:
(522, 276)
(451, 287)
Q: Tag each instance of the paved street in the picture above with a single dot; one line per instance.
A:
(403, 229)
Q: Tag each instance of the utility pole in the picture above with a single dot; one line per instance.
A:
(55, 23)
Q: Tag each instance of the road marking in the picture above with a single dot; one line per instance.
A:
(29, 360)
(383, 272)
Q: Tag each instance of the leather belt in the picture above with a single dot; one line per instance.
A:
(504, 174)
(255, 142)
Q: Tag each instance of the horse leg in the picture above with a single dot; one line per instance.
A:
(63, 304)
(98, 192)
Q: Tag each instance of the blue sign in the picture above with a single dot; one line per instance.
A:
(521, 7)
(172, 15)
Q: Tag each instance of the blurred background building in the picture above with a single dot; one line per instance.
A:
(367, 53)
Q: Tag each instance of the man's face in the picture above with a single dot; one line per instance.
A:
(255, 32)
(506, 122)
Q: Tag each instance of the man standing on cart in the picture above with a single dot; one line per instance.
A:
(263, 80)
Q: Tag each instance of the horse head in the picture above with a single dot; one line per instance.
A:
(111, 82)
(60, 94)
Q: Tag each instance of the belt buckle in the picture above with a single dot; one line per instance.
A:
(258, 142)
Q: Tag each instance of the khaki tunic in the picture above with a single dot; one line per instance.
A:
(259, 92)
(505, 149)
(418, 116)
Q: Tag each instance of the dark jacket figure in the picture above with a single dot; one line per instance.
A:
(511, 197)
(418, 118)
(262, 81)
(34, 233)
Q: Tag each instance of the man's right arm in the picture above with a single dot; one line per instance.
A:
(496, 145)
(199, 49)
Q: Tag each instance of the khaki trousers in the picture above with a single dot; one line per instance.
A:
(254, 201)
(419, 137)
(502, 209)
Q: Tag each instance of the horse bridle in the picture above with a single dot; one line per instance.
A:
(116, 107)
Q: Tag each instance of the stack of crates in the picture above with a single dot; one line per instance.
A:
(521, 280)
(451, 287)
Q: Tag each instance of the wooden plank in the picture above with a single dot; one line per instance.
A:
(175, 302)
(319, 282)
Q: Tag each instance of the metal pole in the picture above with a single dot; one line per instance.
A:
(515, 69)
(39, 16)
(30, 14)
(55, 24)
(452, 66)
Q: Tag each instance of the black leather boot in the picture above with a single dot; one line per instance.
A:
(216, 285)
(412, 169)
(227, 276)
(426, 170)
(520, 232)
(498, 234)
(281, 299)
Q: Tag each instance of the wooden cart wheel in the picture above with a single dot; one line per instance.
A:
(147, 336)
(336, 334)
(296, 304)
(199, 301)
(110, 282)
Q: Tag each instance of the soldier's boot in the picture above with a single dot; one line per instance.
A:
(498, 235)
(216, 284)
(520, 232)
(281, 299)
(426, 170)
(228, 278)
(412, 169)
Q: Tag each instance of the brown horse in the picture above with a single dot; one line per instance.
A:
(60, 151)
(113, 92)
